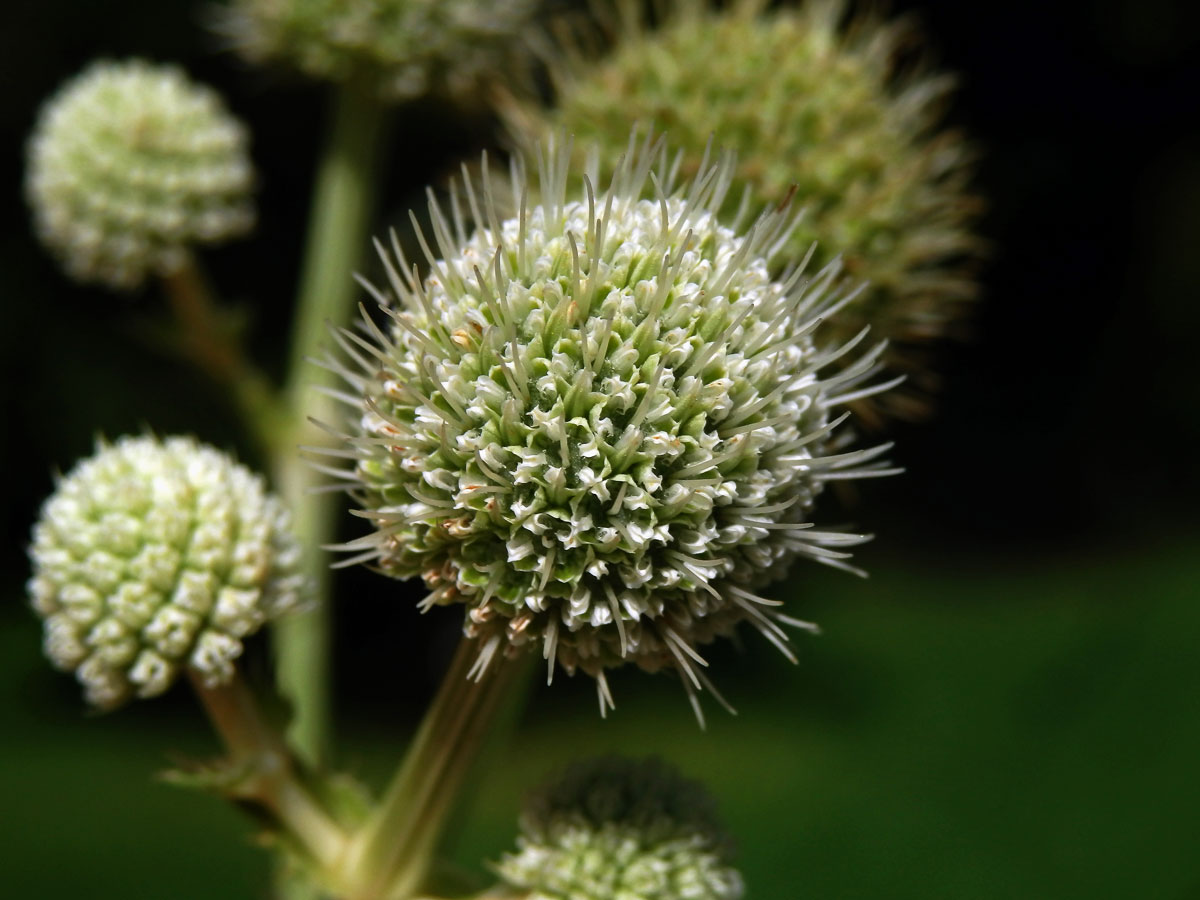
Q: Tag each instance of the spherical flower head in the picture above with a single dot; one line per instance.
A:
(402, 48)
(130, 164)
(810, 107)
(600, 424)
(152, 557)
(620, 828)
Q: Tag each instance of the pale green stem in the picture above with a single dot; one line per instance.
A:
(337, 239)
(269, 778)
(392, 853)
(211, 348)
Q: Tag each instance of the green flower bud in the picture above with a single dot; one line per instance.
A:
(809, 107)
(155, 555)
(129, 165)
(404, 48)
(619, 829)
(600, 424)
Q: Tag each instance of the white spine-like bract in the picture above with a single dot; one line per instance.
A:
(130, 164)
(600, 425)
(155, 556)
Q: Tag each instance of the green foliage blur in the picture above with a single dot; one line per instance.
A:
(1008, 707)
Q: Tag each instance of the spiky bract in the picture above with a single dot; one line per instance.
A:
(130, 164)
(810, 106)
(620, 828)
(152, 556)
(401, 48)
(598, 425)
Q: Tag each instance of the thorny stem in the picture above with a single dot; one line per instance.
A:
(208, 344)
(391, 855)
(270, 779)
(336, 240)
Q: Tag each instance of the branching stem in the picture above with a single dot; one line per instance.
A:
(270, 778)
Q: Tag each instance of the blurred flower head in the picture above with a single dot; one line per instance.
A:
(844, 114)
(130, 164)
(601, 424)
(152, 557)
(614, 827)
(402, 48)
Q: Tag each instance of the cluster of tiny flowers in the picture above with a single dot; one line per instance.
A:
(600, 424)
(404, 48)
(131, 163)
(617, 828)
(155, 556)
(810, 107)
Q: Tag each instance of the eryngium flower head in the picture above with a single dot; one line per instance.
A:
(402, 48)
(152, 556)
(619, 828)
(830, 113)
(131, 163)
(600, 424)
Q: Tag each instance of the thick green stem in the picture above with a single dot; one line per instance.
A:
(337, 240)
(392, 853)
(269, 779)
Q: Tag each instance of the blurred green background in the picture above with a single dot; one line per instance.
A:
(1008, 707)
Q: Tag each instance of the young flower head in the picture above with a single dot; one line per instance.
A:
(811, 107)
(154, 556)
(132, 163)
(403, 48)
(619, 828)
(600, 424)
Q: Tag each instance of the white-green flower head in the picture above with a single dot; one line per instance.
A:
(621, 829)
(810, 106)
(155, 556)
(600, 424)
(402, 48)
(132, 163)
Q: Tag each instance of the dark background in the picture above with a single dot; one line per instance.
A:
(1010, 706)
